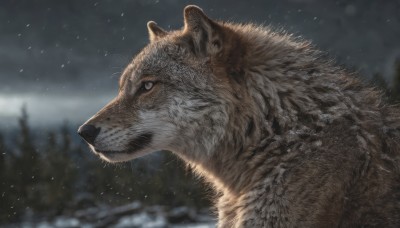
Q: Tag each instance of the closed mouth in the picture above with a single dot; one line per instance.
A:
(112, 151)
(136, 144)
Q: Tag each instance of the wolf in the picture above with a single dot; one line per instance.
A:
(286, 138)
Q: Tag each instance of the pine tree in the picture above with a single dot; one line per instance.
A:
(65, 138)
(395, 92)
(26, 167)
(379, 81)
(58, 175)
(3, 151)
(4, 172)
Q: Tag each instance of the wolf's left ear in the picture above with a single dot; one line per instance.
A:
(205, 33)
(155, 32)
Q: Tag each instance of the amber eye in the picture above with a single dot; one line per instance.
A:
(147, 85)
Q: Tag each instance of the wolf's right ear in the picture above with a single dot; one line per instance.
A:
(155, 32)
(206, 36)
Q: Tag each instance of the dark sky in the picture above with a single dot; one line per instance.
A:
(63, 58)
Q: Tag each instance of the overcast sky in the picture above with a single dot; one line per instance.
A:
(63, 58)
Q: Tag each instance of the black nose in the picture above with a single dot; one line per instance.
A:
(88, 133)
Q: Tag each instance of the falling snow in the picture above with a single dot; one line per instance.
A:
(65, 65)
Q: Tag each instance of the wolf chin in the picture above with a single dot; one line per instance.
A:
(286, 138)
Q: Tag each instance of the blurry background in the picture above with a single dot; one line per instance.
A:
(60, 62)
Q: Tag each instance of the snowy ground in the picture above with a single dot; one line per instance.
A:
(130, 215)
(141, 220)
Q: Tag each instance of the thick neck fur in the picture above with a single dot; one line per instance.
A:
(287, 93)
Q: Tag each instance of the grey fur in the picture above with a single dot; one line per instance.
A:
(286, 138)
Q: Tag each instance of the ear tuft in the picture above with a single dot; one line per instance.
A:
(155, 32)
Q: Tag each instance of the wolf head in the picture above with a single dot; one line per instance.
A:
(177, 94)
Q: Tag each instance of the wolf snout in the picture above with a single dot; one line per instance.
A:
(88, 132)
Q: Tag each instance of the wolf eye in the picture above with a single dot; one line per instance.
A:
(147, 86)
